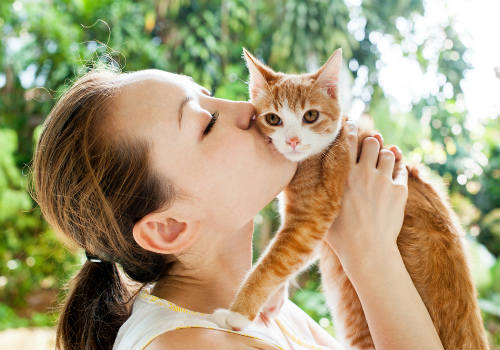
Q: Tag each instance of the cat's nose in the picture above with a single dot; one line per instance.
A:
(294, 141)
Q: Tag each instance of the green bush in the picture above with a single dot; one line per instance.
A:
(33, 259)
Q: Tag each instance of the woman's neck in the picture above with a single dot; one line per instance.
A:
(208, 276)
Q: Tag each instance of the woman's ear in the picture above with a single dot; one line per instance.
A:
(161, 233)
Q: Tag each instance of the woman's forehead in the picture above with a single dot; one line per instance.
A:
(153, 76)
(148, 97)
(157, 86)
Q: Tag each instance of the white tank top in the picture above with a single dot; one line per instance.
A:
(152, 316)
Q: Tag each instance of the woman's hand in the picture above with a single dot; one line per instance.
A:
(364, 238)
(373, 204)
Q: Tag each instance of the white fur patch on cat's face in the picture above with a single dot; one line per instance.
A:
(311, 142)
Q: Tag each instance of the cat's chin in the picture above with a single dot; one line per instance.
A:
(295, 156)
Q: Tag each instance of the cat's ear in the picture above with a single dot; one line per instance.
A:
(260, 74)
(327, 77)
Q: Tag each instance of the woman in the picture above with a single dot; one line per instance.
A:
(128, 169)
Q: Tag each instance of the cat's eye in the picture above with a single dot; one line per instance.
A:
(273, 119)
(311, 116)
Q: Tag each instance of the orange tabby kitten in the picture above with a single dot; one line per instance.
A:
(300, 115)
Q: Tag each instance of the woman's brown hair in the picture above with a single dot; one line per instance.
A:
(92, 185)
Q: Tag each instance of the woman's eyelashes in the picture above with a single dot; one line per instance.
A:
(211, 123)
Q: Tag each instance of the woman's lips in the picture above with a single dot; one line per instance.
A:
(267, 140)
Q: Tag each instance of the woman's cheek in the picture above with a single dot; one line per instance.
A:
(235, 146)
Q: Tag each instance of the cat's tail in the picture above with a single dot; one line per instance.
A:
(431, 247)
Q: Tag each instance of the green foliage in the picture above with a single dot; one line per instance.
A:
(32, 258)
(45, 44)
(310, 298)
(10, 319)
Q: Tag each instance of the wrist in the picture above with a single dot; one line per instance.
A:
(390, 302)
(371, 262)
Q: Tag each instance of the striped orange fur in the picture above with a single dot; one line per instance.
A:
(429, 240)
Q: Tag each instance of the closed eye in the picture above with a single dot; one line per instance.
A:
(211, 123)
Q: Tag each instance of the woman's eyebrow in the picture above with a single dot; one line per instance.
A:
(181, 107)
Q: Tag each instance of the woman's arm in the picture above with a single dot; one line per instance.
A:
(395, 313)
(364, 238)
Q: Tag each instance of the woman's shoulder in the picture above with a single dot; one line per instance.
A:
(158, 323)
(203, 338)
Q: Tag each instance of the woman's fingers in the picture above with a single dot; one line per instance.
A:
(397, 152)
(400, 175)
(369, 152)
(352, 139)
(386, 160)
(380, 139)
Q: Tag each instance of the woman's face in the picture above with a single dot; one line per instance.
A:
(228, 174)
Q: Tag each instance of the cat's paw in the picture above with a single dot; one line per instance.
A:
(230, 320)
(273, 305)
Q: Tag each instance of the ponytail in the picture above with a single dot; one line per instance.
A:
(95, 308)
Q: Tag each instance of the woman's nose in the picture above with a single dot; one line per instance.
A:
(242, 111)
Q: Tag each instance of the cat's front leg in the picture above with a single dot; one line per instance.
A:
(247, 306)
(291, 249)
